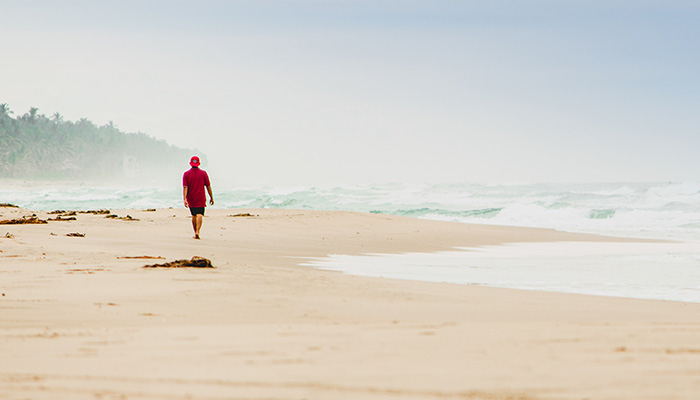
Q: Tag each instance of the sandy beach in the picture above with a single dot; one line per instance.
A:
(82, 319)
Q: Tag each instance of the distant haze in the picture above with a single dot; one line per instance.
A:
(304, 92)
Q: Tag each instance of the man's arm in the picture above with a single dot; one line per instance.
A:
(211, 196)
(184, 195)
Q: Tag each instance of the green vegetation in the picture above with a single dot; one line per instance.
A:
(34, 146)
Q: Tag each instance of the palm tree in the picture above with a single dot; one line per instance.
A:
(5, 110)
(33, 113)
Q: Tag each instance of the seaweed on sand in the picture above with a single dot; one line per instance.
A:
(33, 219)
(195, 262)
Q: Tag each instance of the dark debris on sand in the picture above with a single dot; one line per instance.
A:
(195, 262)
(63, 218)
(76, 234)
(96, 212)
(64, 215)
(127, 218)
(142, 257)
(33, 219)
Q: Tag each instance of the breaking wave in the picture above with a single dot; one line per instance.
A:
(661, 210)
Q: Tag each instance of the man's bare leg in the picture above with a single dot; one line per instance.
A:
(200, 218)
(196, 225)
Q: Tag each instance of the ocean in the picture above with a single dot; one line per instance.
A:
(668, 210)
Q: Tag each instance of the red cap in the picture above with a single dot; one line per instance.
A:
(194, 161)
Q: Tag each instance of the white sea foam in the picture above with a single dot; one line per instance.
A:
(637, 209)
(650, 210)
(662, 271)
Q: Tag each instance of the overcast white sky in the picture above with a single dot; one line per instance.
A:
(307, 92)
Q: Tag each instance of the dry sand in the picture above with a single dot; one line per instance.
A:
(79, 321)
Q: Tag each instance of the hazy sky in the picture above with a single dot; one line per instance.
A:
(303, 91)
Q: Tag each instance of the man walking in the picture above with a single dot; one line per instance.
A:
(194, 181)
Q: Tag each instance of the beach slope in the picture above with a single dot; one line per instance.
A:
(82, 319)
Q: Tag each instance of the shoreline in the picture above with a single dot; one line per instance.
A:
(611, 269)
(642, 210)
(78, 321)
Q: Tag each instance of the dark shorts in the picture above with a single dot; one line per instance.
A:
(196, 210)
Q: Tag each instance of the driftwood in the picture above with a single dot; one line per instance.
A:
(8, 205)
(76, 234)
(195, 262)
(243, 215)
(24, 220)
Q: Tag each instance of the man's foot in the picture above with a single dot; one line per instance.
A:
(195, 237)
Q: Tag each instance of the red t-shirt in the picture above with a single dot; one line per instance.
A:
(196, 179)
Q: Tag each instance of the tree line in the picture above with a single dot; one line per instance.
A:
(34, 146)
